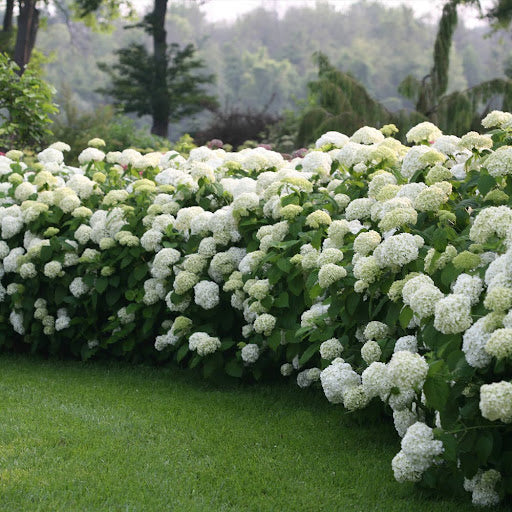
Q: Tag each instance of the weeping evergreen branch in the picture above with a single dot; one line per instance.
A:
(338, 102)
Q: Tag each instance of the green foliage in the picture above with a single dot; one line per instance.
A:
(25, 106)
(500, 14)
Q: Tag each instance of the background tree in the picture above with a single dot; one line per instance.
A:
(338, 102)
(137, 85)
(28, 22)
(500, 14)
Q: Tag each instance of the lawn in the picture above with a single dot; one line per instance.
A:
(97, 437)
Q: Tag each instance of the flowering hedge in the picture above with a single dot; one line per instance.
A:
(380, 272)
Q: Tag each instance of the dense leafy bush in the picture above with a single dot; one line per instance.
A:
(397, 259)
(25, 106)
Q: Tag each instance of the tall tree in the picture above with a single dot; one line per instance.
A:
(7, 22)
(28, 22)
(160, 100)
(167, 84)
(167, 91)
(428, 91)
(500, 14)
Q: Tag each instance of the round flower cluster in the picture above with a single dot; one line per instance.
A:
(397, 250)
(418, 453)
(250, 353)
(407, 371)
(424, 131)
(337, 379)
(203, 343)
(330, 274)
(499, 344)
(206, 294)
(496, 401)
(482, 488)
(453, 314)
(264, 324)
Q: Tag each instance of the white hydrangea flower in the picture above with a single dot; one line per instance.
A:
(154, 290)
(264, 324)
(403, 420)
(366, 269)
(359, 209)
(404, 470)
(286, 369)
(419, 446)
(330, 274)
(423, 301)
(482, 487)
(375, 331)
(499, 344)
(407, 371)
(419, 450)
(424, 131)
(151, 239)
(51, 155)
(470, 286)
(367, 135)
(203, 343)
(10, 261)
(376, 381)
(496, 118)
(331, 349)
(53, 269)
(496, 401)
(371, 352)
(397, 250)
(250, 353)
(77, 287)
(163, 262)
(16, 320)
(309, 317)
(409, 343)
(453, 314)
(366, 242)
(335, 138)
(90, 155)
(206, 294)
(63, 321)
(28, 271)
(413, 161)
(494, 220)
(337, 378)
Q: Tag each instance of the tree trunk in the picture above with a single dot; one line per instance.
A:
(160, 96)
(28, 23)
(7, 24)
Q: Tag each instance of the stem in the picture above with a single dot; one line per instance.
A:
(475, 427)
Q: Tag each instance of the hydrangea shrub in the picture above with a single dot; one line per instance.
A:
(379, 272)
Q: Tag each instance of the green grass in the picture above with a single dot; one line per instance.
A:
(92, 437)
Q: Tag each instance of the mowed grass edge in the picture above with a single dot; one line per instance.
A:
(97, 437)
